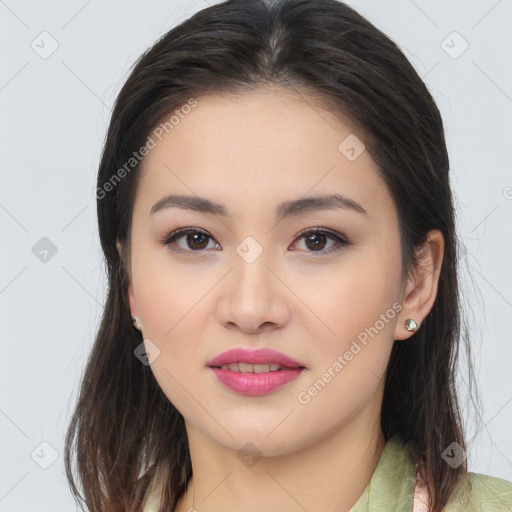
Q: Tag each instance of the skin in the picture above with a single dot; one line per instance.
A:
(249, 153)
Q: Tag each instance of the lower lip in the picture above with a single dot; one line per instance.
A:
(256, 383)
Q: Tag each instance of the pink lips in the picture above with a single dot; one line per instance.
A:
(260, 356)
(255, 383)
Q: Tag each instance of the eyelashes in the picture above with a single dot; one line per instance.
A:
(316, 236)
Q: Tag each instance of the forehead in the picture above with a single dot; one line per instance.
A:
(261, 145)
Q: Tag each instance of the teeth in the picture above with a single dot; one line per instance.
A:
(251, 368)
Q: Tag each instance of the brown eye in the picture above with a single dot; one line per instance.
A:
(195, 240)
(317, 239)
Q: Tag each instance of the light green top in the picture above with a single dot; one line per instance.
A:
(391, 487)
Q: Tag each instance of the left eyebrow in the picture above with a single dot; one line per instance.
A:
(285, 209)
(310, 204)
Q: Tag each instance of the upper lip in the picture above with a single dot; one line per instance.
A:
(260, 356)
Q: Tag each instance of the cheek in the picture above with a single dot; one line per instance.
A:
(351, 297)
(170, 306)
(176, 310)
(359, 305)
(168, 295)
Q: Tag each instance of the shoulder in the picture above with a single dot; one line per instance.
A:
(481, 493)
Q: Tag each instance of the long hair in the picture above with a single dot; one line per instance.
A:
(124, 428)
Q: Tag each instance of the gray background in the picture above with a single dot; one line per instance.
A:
(55, 111)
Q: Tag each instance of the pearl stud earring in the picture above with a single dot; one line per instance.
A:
(136, 322)
(411, 325)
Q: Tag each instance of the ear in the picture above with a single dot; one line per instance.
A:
(131, 295)
(421, 288)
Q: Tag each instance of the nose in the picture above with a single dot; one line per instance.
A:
(254, 298)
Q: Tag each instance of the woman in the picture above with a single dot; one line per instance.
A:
(282, 323)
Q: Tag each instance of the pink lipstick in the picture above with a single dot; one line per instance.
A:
(255, 372)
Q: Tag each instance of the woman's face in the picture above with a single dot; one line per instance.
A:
(246, 278)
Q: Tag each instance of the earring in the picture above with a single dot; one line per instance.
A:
(136, 322)
(411, 325)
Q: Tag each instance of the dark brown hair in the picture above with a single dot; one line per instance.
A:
(123, 425)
